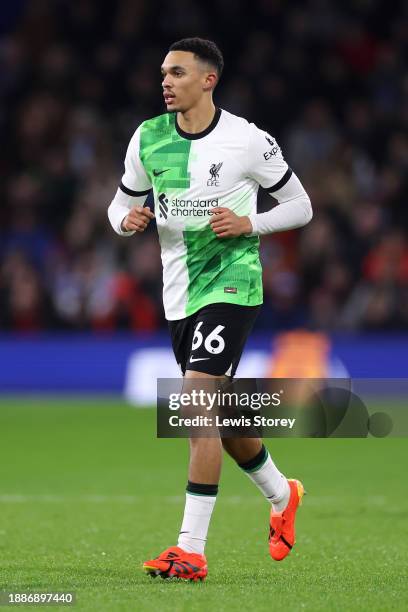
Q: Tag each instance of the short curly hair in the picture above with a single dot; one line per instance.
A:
(205, 50)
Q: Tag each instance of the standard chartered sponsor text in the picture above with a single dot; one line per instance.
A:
(192, 208)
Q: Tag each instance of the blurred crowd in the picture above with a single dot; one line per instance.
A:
(327, 79)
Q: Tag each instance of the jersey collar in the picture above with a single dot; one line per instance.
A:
(198, 135)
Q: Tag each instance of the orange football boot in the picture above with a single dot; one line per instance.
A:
(174, 562)
(282, 524)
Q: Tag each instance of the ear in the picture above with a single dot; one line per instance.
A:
(210, 81)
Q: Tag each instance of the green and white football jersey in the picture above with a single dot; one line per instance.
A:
(191, 175)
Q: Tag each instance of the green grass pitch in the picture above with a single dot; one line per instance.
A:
(87, 493)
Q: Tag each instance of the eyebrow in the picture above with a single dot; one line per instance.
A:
(173, 68)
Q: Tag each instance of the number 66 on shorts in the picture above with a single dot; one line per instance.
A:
(212, 340)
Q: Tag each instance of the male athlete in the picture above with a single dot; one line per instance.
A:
(205, 166)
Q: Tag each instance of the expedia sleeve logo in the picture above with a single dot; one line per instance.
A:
(185, 208)
(275, 148)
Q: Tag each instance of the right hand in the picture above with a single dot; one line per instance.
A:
(137, 219)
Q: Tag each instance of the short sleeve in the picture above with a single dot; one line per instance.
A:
(135, 181)
(266, 164)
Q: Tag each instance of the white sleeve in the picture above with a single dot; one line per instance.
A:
(119, 208)
(266, 164)
(294, 210)
(135, 181)
(133, 189)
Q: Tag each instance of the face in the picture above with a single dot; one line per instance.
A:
(185, 80)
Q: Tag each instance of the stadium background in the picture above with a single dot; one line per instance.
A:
(81, 310)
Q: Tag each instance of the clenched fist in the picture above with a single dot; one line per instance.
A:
(137, 219)
(226, 224)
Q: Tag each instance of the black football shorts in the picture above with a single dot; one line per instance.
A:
(212, 339)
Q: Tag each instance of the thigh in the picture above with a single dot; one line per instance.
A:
(219, 333)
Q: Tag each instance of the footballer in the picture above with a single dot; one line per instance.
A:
(205, 166)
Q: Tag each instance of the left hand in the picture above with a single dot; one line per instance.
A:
(226, 224)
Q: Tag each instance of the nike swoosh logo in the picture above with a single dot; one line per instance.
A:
(192, 359)
(159, 172)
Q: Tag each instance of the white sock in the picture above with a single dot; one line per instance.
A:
(269, 480)
(197, 515)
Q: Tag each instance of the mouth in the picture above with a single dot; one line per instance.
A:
(168, 97)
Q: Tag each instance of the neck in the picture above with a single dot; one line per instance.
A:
(198, 118)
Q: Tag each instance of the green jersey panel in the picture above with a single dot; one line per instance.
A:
(222, 270)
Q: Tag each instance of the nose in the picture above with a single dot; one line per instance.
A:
(166, 81)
